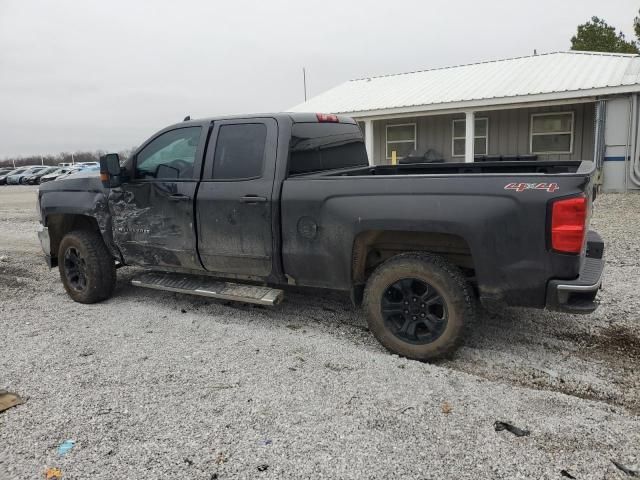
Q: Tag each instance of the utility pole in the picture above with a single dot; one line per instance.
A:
(41, 160)
(73, 161)
(304, 82)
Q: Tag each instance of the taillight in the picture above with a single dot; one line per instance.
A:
(327, 117)
(568, 224)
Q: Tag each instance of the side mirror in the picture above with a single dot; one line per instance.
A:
(110, 170)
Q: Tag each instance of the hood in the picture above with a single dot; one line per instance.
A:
(83, 181)
(85, 173)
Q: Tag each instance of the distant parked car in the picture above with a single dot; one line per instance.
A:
(34, 178)
(16, 179)
(13, 178)
(91, 168)
(3, 177)
(3, 173)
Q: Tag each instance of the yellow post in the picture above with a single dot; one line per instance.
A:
(394, 158)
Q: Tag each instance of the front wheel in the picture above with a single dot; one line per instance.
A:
(417, 305)
(87, 269)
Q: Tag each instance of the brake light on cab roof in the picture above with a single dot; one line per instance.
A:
(327, 118)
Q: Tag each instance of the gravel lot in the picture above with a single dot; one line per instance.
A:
(158, 385)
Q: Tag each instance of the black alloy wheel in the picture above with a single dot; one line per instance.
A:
(75, 269)
(414, 311)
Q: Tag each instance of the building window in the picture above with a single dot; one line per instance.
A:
(551, 133)
(401, 139)
(481, 137)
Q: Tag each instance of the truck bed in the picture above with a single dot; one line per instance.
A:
(490, 217)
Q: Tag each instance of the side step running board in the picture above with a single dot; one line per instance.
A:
(208, 287)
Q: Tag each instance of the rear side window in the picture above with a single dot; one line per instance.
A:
(239, 151)
(316, 147)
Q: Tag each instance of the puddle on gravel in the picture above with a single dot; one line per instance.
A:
(618, 340)
(529, 378)
(612, 343)
(614, 349)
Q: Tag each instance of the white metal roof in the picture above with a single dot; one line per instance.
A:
(544, 77)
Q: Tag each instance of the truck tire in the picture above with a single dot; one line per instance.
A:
(417, 305)
(87, 269)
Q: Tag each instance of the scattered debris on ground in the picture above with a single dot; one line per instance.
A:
(632, 472)
(518, 432)
(53, 474)
(337, 367)
(9, 400)
(404, 409)
(65, 447)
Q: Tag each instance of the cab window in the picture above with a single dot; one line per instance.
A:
(169, 156)
(317, 147)
(240, 151)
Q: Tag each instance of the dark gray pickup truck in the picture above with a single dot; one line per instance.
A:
(237, 207)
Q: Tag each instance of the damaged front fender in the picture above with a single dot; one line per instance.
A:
(73, 204)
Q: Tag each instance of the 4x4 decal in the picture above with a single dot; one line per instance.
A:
(521, 187)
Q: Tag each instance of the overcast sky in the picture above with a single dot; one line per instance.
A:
(106, 74)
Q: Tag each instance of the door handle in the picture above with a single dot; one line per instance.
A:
(176, 197)
(252, 199)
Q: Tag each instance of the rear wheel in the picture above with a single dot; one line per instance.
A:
(87, 269)
(417, 305)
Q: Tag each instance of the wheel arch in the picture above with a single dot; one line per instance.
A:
(59, 224)
(372, 247)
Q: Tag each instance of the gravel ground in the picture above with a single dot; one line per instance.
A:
(158, 385)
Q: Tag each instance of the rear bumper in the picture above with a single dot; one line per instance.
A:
(579, 295)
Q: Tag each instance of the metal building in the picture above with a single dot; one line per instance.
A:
(563, 105)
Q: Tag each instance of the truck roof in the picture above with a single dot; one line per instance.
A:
(295, 117)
